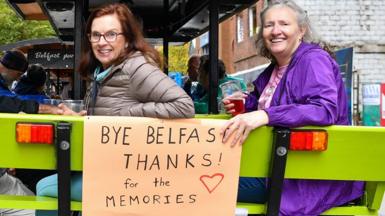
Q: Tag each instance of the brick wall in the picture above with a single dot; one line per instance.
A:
(226, 43)
(244, 53)
(357, 23)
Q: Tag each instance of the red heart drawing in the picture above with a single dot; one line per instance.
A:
(211, 182)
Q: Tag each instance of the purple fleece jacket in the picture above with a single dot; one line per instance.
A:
(310, 93)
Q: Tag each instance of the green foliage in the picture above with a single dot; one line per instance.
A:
(13, 28)
(178, 57)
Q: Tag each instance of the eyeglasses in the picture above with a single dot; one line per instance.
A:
(108, 36)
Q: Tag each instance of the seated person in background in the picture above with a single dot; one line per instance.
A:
(31, 84)
(12, 66)
(197, 90)
(201, 105)
(31, 87)
(192, 74)
(190, 82)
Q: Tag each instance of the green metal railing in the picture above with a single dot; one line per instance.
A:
(354, 153)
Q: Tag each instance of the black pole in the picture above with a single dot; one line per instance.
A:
(280, 148)
(63, 130)
(213, 49)
(166, 35)
(78, 31)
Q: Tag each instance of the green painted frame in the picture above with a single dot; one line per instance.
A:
(354, 153)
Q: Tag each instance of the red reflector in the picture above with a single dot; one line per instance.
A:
(35, 133)
(308, 140)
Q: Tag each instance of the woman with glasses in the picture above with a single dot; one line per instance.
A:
(124, 70)
(125, 78)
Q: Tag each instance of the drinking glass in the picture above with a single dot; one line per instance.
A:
(74, 105)
(232, 91)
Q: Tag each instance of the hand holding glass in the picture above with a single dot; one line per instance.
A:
(233, 97)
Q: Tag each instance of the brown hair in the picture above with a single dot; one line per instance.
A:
(131, 31)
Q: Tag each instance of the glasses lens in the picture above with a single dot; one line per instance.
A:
(95, 36)
(110, 36)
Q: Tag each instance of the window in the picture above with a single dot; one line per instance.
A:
(252, 21)
(205, 49)
(239, 29)
(204, 39)
(192, 48)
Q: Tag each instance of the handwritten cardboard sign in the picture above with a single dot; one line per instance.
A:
(147, 167)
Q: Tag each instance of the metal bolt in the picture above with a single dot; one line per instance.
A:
(281, 151)
(64, 145)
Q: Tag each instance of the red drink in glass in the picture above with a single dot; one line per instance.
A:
(239, 106)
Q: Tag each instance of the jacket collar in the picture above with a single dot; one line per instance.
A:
(120, 66)
(301, 50)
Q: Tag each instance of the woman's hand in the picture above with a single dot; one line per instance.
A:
(68, 111)
(242, 124)
(49, 109)
(230, 106)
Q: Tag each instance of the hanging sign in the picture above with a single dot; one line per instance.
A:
(52, 58)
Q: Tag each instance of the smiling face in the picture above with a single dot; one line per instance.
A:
(107, 51)
(281, 33)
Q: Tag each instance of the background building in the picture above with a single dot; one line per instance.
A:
(359, 24)
(353, 23)
(236, 40)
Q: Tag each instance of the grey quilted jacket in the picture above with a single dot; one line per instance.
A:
(138, 88)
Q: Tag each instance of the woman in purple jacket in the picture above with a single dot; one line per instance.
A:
(302, 86)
